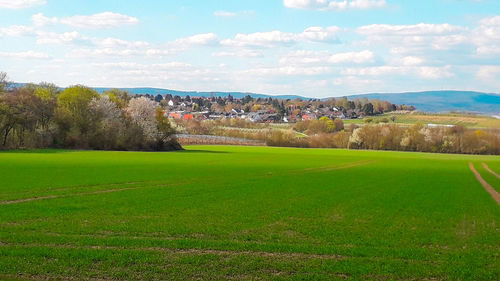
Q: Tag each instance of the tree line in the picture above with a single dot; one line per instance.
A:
(333, 133)
(44, 116)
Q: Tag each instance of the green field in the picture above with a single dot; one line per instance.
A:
(223, 212)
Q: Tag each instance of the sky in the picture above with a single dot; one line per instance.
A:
(312, 48)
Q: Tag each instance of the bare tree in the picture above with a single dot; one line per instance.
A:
(4, 81)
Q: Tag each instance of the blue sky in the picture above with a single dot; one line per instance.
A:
(314, 48)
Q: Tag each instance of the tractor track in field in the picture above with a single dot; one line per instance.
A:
(490, 170)
(24, 200)
(290, 172)
(219, 252)
(346, 166)
(194, 251)
(64, 196)
(494, 194)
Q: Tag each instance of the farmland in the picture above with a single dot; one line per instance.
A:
(455, 119)
(474, 121)
(229, 212)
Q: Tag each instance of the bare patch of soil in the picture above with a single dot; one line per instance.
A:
(487, 186)
(490, 170)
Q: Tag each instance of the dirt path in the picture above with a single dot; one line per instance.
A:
(490, 170)
(487, 186)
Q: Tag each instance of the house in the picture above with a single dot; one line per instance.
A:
(351, 114)
(273, 117)
(255, 117)
(187, 116)
(308, 116)
(175, 115)
(337, 114)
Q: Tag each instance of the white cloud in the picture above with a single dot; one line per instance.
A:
(449, 41)
(374, 71)
(426, 72)
(367, 4)
(276, 37)
(322, 58)
(421, 29)
(97, 21)
(288, 70)
(16, 31)
(102, 52)
(198, 39)
(424, 39)
(430, 72)
(356, 84)
(304, 57)
(60, 38)
(492, 21)
(239, 53)
(137, 66)
(101, 20)
(352, 57)
(41, 20)
(486, 36)
(25, 55)
(261, 39)
(99, 53)
(489, 72)
(488, 50)
(411, 61)
(320, 34)
(20, 4)
(172, 65)
(114, 43)
(325, 5)
(159, 52)
(417, 38)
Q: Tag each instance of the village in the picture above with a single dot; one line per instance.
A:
(270, 110)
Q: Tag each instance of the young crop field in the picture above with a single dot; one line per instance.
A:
(469, 121)
(229, 212)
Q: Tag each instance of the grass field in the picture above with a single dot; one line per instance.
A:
(224, 212)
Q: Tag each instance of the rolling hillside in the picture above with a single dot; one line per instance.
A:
(238, 95)
(442, 101)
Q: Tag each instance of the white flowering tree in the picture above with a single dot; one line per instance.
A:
(105, 109)
(143, 112)
(356, 139)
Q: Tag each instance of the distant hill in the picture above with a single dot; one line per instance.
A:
(443, 101)
(429, 101)
(156, 91)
